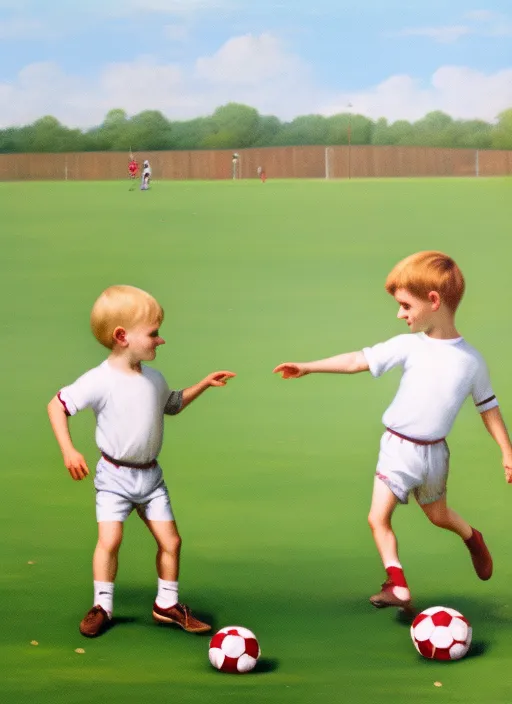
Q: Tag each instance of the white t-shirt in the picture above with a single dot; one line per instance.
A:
(129, 410)
(437, 377)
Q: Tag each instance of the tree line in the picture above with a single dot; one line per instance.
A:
(236, 126)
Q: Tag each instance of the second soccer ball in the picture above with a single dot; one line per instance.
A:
(234, 649)
(441, 633)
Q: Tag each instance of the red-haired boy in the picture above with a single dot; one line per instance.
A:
(440, 369)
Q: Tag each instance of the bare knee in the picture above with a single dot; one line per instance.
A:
(378, 522)
(171, 545)
(110, 543)
(439, 518)
(177, 543)
(371, 521)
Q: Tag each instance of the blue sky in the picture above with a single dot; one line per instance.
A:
(391, 58)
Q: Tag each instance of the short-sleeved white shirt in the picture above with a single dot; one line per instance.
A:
(129, 410)
(438, 375)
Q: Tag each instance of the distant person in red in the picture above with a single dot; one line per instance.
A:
(133, 169)
(262, 174)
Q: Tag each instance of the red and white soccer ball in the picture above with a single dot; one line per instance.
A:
(234, 649)
(440, 633)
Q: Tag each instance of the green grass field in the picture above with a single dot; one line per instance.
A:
(270, 480)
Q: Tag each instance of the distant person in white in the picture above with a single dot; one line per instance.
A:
(440, 369)
(146, 176)
(129, 400)
(234, 160)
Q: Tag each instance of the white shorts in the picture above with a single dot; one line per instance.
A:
(120, 490)
(405, 466)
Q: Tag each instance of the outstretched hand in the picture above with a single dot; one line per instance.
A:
(219, 378)
(291, 370)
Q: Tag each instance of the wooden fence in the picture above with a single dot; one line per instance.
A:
(278, 162)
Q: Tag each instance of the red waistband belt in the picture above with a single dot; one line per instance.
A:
(414, 440)
(131, 465)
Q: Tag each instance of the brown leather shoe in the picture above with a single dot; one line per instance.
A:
(95, 622)
(386, 598)
(480, 555)
(180, 615)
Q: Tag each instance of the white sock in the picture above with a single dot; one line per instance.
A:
(167, 594)
(104, 596)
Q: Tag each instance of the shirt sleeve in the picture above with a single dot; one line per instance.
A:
(86, 392)
(483, 395)
(385, 355)
(174, 403)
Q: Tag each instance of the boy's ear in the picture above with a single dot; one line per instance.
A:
(119, 336)
(435, 299)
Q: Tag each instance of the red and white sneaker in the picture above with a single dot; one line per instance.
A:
(181, 616)
(387, 597)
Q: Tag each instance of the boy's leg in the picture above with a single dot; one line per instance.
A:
(167, 608)
(168, 541)
(105, 562)
(395, 591)
(105, 558)
(383, 505)
(443, 516)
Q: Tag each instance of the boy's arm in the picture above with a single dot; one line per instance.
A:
(213, 379)
(495, 424)
(349, 363)
(74, 461)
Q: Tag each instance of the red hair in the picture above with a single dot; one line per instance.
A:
(424, 272)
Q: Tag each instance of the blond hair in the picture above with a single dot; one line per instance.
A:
(123, 306)
(424, 272)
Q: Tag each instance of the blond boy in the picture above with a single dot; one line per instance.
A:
(440, 369)
(129, 400)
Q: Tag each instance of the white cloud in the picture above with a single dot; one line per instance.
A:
(43, 88)
(248, 60)
(484, 24)
(144, 84)
(495, 24)
(37, 91)
(500, 30)
(465, 92)
(459, 91)
(176, 32)
(481, 15)
(184, 8)
(21, 28)
(12, 4)
(398, 97)
(257, 70)
(443, 35)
